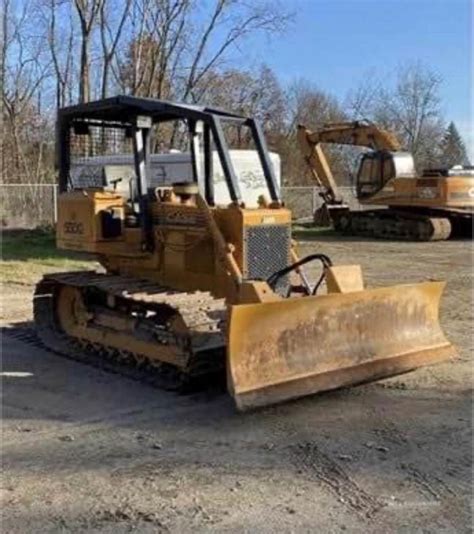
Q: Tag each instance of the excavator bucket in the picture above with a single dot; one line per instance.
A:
(294, 347)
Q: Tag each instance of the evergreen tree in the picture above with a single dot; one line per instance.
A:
(452, 148)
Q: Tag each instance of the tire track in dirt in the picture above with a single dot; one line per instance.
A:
(428, 484)
(334, 478)
(389, 432)
(316, 464)
(128, 516)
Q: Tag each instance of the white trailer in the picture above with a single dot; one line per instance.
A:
(166, 169)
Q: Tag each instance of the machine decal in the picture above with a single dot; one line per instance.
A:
(180, 218)
(72, 226)
(427, 192)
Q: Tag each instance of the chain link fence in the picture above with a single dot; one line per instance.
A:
(303, 201)
(28, 206)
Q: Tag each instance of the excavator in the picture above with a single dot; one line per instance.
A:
(188, 289)
(433, 207)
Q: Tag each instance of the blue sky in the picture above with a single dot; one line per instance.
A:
(336, 43)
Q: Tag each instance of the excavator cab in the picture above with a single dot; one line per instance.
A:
(377, 167)
(374, 171)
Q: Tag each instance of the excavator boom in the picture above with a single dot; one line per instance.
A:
(356, 133)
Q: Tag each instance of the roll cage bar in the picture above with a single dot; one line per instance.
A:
(139, 114)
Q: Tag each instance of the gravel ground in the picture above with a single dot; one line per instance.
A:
(84, 450)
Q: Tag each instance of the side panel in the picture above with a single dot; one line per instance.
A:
(80, 226)
(460, 192)
(430, 192)
(184, 255)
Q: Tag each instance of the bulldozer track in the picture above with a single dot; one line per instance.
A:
(389, 224)
(201, 345)
(67, 348)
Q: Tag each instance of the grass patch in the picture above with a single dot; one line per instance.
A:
(309, 232)
(28, 254)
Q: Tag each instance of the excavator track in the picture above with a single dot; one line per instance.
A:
(399, 225)
(140, 329)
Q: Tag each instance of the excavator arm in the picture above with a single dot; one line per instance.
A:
(319, 166)
(354, 133)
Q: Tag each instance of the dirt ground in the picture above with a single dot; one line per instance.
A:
(84, 450)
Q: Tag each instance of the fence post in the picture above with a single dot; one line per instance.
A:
(314, 200)
(55, 204)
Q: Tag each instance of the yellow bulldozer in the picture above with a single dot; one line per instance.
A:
(398, 203)
(190, 289)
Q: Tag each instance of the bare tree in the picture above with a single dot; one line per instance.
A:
(4, 45)
(61, 46)
(158, 34)
(3, 78)
(309, 105)
(410, 108)
(362, 99)
(24, 71)
(110, 35)
(259, 95)
(236, 20)
(88, 12)
(171, 53)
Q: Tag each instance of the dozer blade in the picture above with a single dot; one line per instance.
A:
(294, 347)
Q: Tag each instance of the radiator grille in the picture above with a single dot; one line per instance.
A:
(267, 250)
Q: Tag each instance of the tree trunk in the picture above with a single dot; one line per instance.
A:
(84, 85)
(105, 77)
